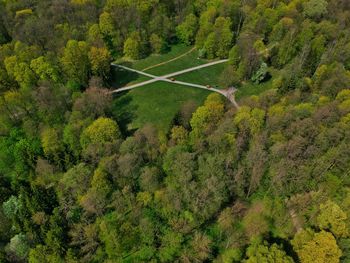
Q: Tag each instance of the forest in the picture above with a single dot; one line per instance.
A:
(268, 182)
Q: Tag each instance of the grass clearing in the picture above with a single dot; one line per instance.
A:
(205, 76)
(154, 59)
(122, 78)
(188, 61)
(249, 89)
(156, 103)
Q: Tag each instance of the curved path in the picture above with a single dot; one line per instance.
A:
(228, 93)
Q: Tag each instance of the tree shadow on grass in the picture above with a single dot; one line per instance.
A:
(124, 112)
(120, 77)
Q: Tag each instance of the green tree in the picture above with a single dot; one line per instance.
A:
(20, 71)
(224, 36)
(100, 131)
(316, 247)
(210, 46)
(333, 218)
(11, 207)
(44, 69)
(51, 143)
(315, 8)
(75, 62)
(170, 246)
(100, 138)
(187, 29)
(229, 77)
(18, 246)
(157, 43)
(257, 253)
(100, 59)
(133, 46)
(206, 117)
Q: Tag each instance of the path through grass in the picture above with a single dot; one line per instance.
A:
(206, 76)
(156, 103)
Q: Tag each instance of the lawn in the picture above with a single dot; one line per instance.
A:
(154, 59)
(205, 76)
(156, 103)
(121, 78)
(250, 89)
(187, 61)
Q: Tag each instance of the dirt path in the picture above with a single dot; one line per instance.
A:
(295, 219)
(170, 60)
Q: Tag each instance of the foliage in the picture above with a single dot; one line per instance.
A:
(75, 62)
(187, 29)
(321, 247)
(332, 218)
(151, 176)
(265, 253)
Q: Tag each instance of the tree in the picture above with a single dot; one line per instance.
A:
(44, 69)
(224, 36)
(315, 8)
(100, 138)
(75, 62)
(257, 253)
(11, 207)
(73, 184)
(100, 60)
(198, 249)
(229, 77)
(210, 46)
(187, 29)
(179, 135)
(157, 43)
(51, 143)
(100, 131)
(18, 247)
(133, 46)
(333, 218)
(316, 247)
(20, 71)
(255, 221)
(260, 74)
(93, 103)
(95, 199)
(170, 246)
(234, 56)
(206, 117)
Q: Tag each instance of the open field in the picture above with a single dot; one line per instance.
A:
(154, 59)
(122, 78)
(156, 103)
(190, 59)
(206, 76)
(250, 89)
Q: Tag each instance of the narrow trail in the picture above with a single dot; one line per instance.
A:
(295, 220)
(228, 93)
(170, 60)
